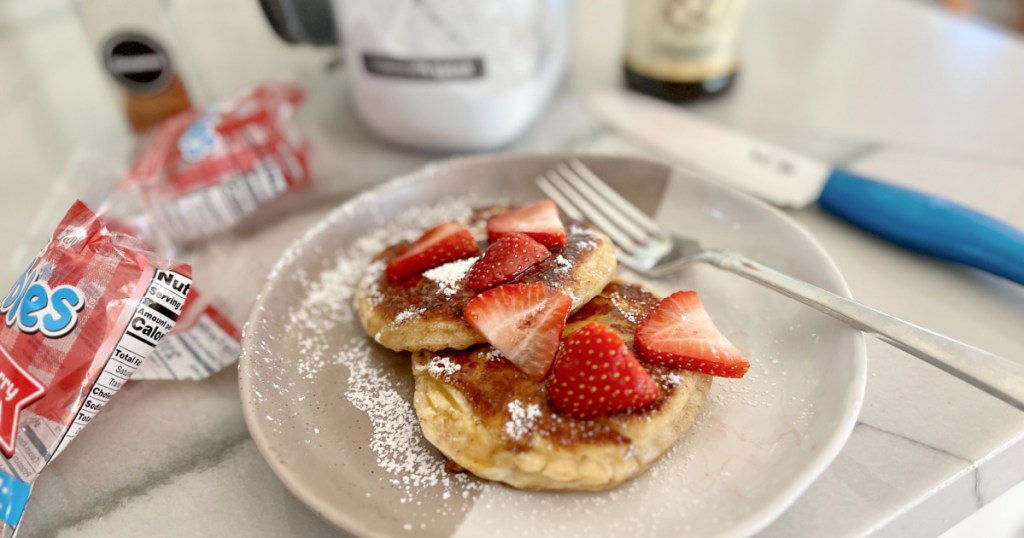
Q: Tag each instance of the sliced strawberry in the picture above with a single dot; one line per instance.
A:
(507, 257)
(524, 321)
(538, 220)
(438, 245)
(679, 333)
(596, 375)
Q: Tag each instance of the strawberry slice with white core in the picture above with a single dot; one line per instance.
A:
(437, 246)
(508, 257)
(538, 220)
(679, 333)
(596, 375)
(523, 321)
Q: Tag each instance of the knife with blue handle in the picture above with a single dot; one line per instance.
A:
(915, 220)
(926, 223)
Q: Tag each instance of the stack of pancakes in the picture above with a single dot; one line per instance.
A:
(490, 418)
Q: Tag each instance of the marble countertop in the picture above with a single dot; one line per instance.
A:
(890, 88)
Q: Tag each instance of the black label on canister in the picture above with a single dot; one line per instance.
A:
(138, 62)
(430, 69)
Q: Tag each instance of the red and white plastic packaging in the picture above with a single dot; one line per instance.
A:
(84, 315)
(203, 172)
(203, 187)
(197, 179)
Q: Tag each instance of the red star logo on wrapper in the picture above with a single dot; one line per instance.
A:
(17, 390)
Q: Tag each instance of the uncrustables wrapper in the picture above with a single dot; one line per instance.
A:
(201, 176)
(203, 172)
(86, 312)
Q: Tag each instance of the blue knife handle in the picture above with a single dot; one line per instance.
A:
(926, 223)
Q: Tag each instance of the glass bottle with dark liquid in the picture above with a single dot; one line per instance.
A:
(138, 49)
(682, 50)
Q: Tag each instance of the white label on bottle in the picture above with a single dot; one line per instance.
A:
(683, 40)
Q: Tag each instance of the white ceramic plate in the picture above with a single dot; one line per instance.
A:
(330, 411)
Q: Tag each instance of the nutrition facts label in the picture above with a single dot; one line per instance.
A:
(39, 439)
(214, 209)
(199, 351)
(151, 321)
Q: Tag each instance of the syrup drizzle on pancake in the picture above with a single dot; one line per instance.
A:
(507, 400)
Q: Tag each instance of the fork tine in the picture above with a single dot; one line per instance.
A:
(583, 207)
(596, 199)
(567, 207)
(623, 205)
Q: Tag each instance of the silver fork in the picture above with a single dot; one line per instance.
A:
(647, 249)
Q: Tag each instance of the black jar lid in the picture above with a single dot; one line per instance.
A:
(302, 21)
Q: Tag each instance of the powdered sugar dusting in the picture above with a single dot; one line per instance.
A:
(561, 265)
(408, 314)
(396, 438)
(590, 238)
(566, 288)
(521, 419)
(371, 282)
(633, 312)
(325, 329)
(673, 379)
(449, 276)
(441, 367)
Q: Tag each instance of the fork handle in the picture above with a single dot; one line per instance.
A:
(993, 374)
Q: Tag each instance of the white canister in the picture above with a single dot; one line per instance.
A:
(452, 74)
